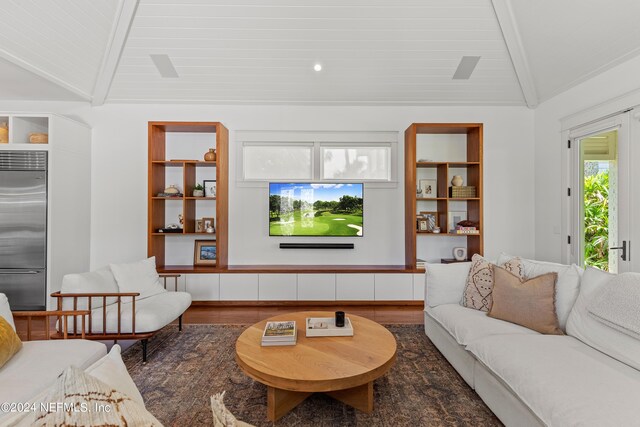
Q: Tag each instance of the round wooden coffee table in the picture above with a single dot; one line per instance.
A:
(342, 367)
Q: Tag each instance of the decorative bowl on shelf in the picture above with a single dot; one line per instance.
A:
(38, 138)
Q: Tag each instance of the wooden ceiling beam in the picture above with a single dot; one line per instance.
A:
(511, 35)
(117, 39)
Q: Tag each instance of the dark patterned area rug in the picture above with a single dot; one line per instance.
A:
(185, 368)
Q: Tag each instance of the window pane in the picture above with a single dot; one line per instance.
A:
(366, 163)
(265, 162)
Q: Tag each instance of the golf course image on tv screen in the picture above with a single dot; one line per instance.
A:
(303, 209)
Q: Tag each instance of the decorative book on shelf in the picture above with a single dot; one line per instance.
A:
(279, 333)
(326, 327)
(462, 191)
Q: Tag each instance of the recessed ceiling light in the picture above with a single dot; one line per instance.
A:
(317, 67)
(164, 65)
(466, 67)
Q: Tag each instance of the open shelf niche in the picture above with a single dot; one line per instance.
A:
(434, 154)
(176, 152)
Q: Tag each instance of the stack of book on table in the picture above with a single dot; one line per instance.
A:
(467, 230)
(420, 263)
(279, 333)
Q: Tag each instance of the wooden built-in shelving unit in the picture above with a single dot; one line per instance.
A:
(471, 151)
(159, 166)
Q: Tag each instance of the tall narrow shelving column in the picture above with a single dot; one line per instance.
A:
(175, 150)
(439, 151)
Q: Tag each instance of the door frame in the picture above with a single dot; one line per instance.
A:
(571, 186)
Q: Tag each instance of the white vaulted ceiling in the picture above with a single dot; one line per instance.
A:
(63, 40)
(373, 52)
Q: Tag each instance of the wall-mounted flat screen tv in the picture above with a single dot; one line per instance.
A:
(308, 209)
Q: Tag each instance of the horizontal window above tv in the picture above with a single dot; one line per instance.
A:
(318, 157)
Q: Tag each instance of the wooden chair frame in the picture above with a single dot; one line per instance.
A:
(60, 314)
(103, 336)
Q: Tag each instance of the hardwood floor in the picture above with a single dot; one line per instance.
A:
(247, 315)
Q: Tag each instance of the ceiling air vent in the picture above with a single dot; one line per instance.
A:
(466, 67)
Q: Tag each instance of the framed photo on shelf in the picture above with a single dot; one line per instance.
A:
(432, 220)
(205, 252)
(422, 224)
(429, 188)
(209, 187)
(454, 217)
(208, 222)
(199, 226)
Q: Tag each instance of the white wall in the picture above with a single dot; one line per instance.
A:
(119, 177)
(605, 87)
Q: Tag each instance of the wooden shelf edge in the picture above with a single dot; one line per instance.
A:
(305, 303)
(427, 233)
(300, 269)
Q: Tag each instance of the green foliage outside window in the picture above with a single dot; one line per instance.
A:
(596, 220)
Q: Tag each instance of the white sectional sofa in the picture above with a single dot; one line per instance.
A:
(588, 377)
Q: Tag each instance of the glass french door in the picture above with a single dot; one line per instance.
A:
(600, 195)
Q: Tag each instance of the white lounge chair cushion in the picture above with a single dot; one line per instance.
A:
(152, 314)
(140, 276)
(99, 281)
(589, 330)
(5, 310)
(567, 285)
(467, 325)
(563, 381)
(37, 365)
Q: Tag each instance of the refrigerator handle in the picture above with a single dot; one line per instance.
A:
(18, 272)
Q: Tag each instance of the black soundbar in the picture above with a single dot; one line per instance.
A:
(316, 246)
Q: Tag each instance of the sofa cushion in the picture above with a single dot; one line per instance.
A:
(528, 303)
(112, 371)
(140, 276)
(5, 310)
(479, 286)
(445, 283)
(152, 314)
(586, 328)
(617, 304)
(99, 281)
(567, 286)
(563, 381)
(39, 363)
(78, 389)
(10, 343)
(467, 325)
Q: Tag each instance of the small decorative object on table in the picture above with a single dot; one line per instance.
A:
(210, 156)
(38, 138)
(432, 220)
(279, 333)
(209, 188)
(205, 252)
(171, 228)
(4, 133)
(436, 230)
(460, 254)
(198, 191)
(462, 191)
(180, 221)
(418, 192)
(326, 327)
(340, 319)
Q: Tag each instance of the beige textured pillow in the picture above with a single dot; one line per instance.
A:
(529, 303)
(477, 292)
(95, 404)
(10, 343)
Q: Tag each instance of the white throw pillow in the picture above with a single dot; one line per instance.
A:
(99, 281)
(138, 276)
(112, 371)
(567, 286)
(445, 283)
(587, 329)
(5, 310)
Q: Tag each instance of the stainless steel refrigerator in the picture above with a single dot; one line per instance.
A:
(23, 228)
